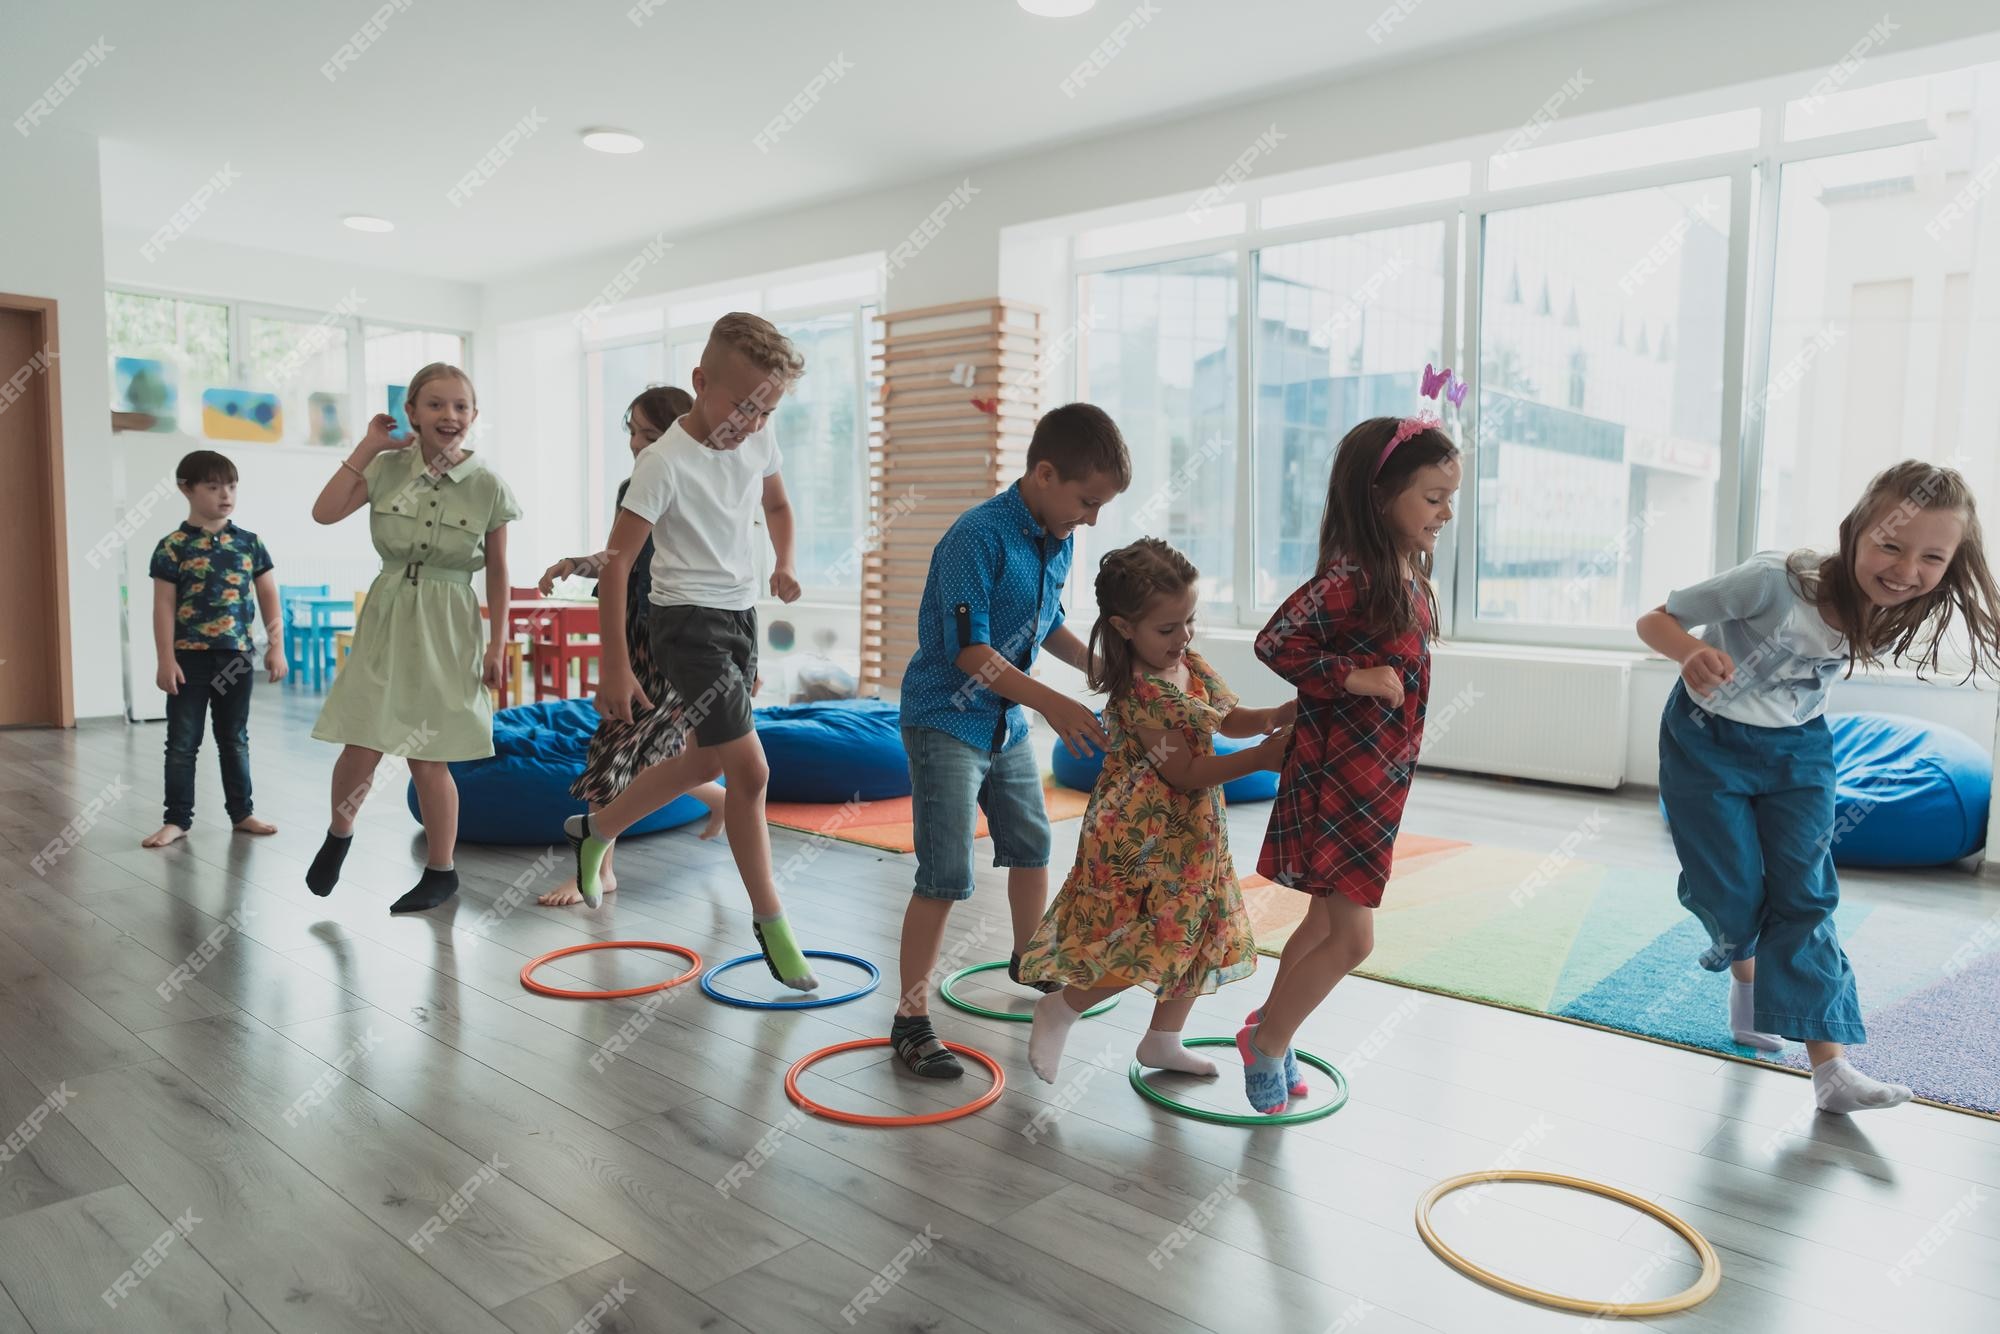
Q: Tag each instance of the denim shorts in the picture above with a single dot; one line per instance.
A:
(952, 782)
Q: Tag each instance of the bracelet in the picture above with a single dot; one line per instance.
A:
(356, 471)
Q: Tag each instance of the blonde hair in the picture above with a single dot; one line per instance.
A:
(438, 370)
(759, 342)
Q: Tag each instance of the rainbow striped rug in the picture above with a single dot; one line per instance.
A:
(1611, 946)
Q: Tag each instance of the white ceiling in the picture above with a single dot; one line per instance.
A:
(933, 86)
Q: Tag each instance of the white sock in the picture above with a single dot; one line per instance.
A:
(1743, 1019)
(1839, 1087)
(1162, 1050)
(1053, 1017)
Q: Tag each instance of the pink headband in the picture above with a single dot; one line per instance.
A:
(1410, 426)
(1435, 382)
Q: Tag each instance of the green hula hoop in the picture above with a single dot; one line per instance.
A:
(952, 999)
(1240, 1118)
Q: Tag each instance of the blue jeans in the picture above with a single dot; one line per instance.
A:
(218, 686)
(1751, 810)
(952, 782)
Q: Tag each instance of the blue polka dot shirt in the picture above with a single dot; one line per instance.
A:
(996, 578)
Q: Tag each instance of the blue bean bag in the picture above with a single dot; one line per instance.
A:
(830, 751)
(1081, 775)
(521, 794)
(835, 750)
(1906, 792)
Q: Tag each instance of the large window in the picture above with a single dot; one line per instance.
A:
(1600, 407)
(1160, 357)
(1344, 326)
(1686, 341)
(305, 363)
(821, 425)
(189, 338)
(612, 378)
(1883, 313)
(331, 372)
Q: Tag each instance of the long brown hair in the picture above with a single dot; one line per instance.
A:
(1128, 580)
(1892, 499)
(1354, 536)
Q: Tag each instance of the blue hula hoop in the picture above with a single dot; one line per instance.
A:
(818, 1002)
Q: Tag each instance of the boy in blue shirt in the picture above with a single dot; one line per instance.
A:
(994, 593)
(205, 574)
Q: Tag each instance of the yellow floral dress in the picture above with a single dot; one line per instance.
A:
(1152, 900)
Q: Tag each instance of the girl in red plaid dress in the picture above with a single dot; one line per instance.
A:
(1355, 640)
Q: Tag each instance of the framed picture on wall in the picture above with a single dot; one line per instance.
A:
(242, 414)
(397, 393)
(149, 386)
(327, 419)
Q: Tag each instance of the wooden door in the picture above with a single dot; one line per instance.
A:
(35, 686)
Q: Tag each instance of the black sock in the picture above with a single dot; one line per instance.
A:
(324, 873)
(433, 888)
(917, 1043)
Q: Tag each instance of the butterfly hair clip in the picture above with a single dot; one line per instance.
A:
(1452, 385)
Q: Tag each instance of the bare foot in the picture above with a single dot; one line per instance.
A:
(250, 824)
(711, 796)
(563, 895)
(165, 834)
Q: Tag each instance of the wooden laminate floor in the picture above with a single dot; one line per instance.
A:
(330, 1119)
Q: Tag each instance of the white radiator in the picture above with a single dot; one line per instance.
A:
(1500, 711)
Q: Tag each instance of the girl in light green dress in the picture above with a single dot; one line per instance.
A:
(415, 682)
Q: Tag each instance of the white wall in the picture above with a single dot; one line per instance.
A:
(52, 245)
(207, 268)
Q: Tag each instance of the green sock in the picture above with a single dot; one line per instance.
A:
(781, 952)
(590, 850)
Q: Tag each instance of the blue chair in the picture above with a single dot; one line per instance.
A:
(297, 631)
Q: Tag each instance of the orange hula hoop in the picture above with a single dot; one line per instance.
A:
(543, 989)
(983, 1101)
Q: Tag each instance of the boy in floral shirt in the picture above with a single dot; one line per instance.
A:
(203, 574)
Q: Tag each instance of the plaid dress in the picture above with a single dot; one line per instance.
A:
(1347, 772)
(620, 751)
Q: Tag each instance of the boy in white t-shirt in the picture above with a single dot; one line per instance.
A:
(697, 489)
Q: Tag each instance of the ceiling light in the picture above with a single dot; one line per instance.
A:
(613, 141)
(361, 222)
(1057, 9)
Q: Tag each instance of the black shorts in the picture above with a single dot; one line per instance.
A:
(710, 659)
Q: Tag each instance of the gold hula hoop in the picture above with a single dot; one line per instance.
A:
(1699, 1291)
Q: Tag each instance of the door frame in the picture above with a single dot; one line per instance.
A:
(42, 313)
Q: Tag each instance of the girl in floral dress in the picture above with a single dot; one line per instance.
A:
(1152, 900)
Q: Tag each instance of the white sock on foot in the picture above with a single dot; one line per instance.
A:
(1839, 1087)
(1161, 1050)
(1743, 1019)
(1048, 1034)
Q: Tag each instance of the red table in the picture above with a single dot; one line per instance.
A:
(564, 633)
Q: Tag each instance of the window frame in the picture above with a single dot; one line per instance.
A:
(356, 325)
(865, 311)
(1754, 176)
